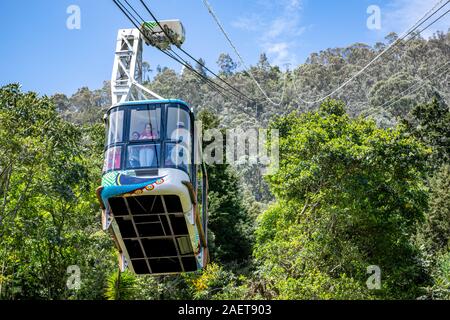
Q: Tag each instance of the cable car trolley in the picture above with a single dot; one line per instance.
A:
(154, 190)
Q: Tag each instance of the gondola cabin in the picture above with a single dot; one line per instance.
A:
(153, 194)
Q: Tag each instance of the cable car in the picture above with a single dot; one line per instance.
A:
(153, 193)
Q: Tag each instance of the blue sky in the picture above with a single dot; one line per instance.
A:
(39, 51)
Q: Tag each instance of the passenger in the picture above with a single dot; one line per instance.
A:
(135, 136)
(181, 134)
(148, 133)
(147, 153)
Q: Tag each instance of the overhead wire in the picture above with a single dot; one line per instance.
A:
(186, 63)
(392, 45)
(410, 39)
(127, 12)
(405, 92)
(415, 26)
(136, 24)
(173, 55)
(134, 10)
(206, 80)
(219, 24)
(189, 55)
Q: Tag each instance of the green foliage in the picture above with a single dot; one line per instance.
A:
(48, 213)
(226, 64)
(85, 106)
(200, 67)
(350, 195)
(216, 283)
(230, 222)
(383, 92)
(173, 287)
(437, 227)
(121, 286)
(431, 125)
(440, 290)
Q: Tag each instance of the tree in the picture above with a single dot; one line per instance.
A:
(61, 102)
(391, 37)
(440, 289)
(86, 106)
(48, 169)
(389, 95)
(229, 219)
(310, 243)
(200, 67)
(226, 64)
(349, 195)
(121, 286)
(217, 283)
(437, 227)
(146, 70)
(431, 125)
(263, 62)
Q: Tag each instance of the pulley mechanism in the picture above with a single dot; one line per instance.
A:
(173, 33)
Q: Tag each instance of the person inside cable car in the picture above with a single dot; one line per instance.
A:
(135, 136)
(180, 134)
(147, 153)
(148, 133)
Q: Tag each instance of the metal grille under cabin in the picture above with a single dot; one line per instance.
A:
(154, 231)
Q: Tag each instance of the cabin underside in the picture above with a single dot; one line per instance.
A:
(155, 233)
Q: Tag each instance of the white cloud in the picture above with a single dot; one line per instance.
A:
(250, 23)
(294, 5)
(281, 53)
(285, 28)
(400, 15)
(277, 36)
(280, 26)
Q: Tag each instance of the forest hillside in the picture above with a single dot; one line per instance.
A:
(363, 184)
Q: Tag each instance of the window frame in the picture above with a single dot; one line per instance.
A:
(108, 127)
(163, 140)
(144, 108)
(147, 143)
(168, 141)
(105, 157)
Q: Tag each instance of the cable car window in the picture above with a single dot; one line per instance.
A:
(177, 156)
(113, 157)
(143, 156)
(115, 128)
(145, 124)
(179, 126)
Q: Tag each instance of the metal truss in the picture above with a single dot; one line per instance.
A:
(126, 80)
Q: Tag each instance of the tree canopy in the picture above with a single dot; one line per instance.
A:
(362, 184)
